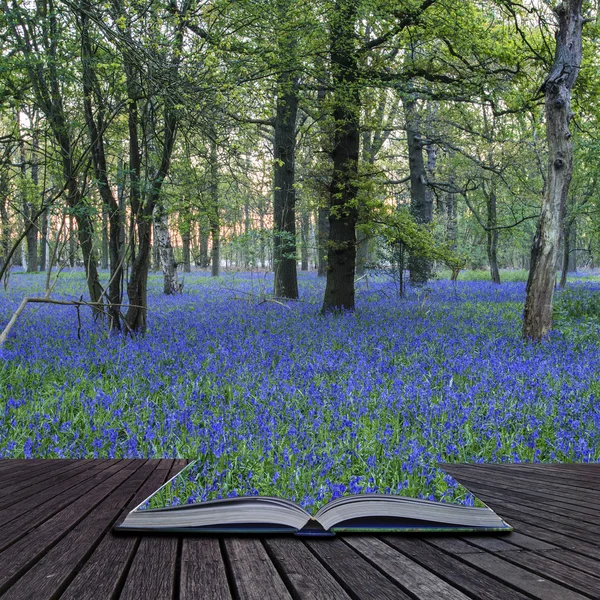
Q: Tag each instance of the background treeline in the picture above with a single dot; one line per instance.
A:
(336, 135)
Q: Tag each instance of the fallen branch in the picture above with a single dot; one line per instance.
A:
(35, 300)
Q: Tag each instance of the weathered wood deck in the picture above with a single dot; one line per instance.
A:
(56, 542)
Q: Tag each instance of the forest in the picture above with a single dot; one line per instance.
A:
(323, 244)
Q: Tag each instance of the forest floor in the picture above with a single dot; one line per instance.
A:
(277, 399)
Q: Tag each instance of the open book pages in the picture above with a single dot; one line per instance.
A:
(446, 504)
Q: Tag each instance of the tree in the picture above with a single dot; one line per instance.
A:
(557, 88)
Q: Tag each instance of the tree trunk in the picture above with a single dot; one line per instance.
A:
(165, 250)
(4, 222)
(452, 225)
(104, 256)
(284, 192)
(322, 240)
(72, 242)
(343, 214)
(492, 234)
(44, 242)
(362, 252)
(215, 220)
(568, 247)
(185, 242)
(421, 200)
(557, 87)
(203, 235)
(32, 235)
(304, 234)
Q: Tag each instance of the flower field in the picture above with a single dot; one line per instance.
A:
(279, 400)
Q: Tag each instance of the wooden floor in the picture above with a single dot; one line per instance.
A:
(56, 542)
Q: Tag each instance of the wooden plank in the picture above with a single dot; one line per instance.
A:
(50, 574)
(556, 538)
(356, 573)
(527, 542)
(203, 573)
(37, 511)
(24, 487)
(572, 559)
(582, 530)
(12, 466)
(302, 571)
(152, 573)
(548, 485)
(43, 491)
(254, 575)
(104, 572)
(534, 584)
(556, 570)
(21, 476)
(463, 576)
(496, 545)
(21, 555)
(421, 583)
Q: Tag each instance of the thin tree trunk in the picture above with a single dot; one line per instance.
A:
(343, 215)
(32, 235)
(215, 220)
(185, 243)
(452, 225)
(557, 87)
(4, 222)
(104, 256)
(492, 234)
(322, 239)
(44, 242)
(304, 233)
(203, 235)
(165, 250)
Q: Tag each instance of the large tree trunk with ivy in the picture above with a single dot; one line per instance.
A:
(545, 249)
(343, 212)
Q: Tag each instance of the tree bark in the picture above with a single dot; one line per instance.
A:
(32, 235)
(557, 87)
(322, 239)
(421, 201)
(214, 217)
(304, 234)
(203, 235)
(568, 259)
(492, 234)
(104, 255)
(185, 243)
(165, 250)
(343, 213)
(284, 150)
(44, 242)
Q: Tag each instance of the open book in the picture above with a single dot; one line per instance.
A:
(261, 514)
